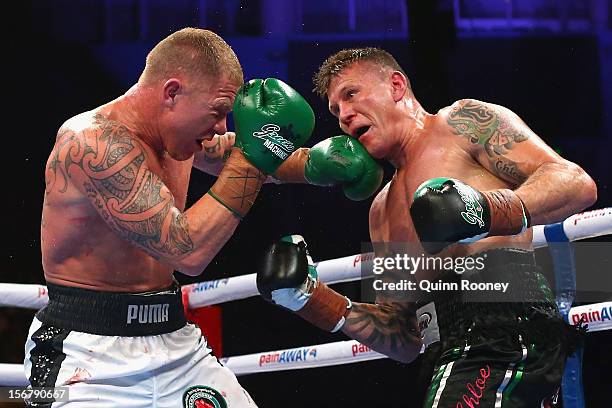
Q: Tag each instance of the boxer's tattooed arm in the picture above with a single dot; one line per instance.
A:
(64, 138)
(220, 149)
(132, 200)
(482, 124)
(495, 130)
(507, 169)
(390, 328)
(215, 153)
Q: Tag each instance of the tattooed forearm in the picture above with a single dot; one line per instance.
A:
(481, 124)
(132, 200)
(389, 329)
(212, 153)
(508, 170)
(218, 149)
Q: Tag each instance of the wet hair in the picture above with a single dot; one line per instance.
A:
(333, 65)
(193, 52)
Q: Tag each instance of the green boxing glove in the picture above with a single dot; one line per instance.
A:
(343, 160)
(272, 120)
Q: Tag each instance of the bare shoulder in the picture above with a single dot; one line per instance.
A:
(461, 107)
(93, 132)
(473, 108)
(491, 126)
(104, 162)
(445, 111)
(482, 108)
(87, 147)
(70, 143)
(80, 122)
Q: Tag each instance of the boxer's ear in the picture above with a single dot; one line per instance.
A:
(399, 84)
(172, 88)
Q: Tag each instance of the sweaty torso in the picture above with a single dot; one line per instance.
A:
(78, 247)
(436, 152)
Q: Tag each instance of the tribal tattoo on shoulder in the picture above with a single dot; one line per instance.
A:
(64, 138)
(384, 327)
(482, 124)
(132, 199)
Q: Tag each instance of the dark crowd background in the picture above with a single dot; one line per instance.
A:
(548, 61)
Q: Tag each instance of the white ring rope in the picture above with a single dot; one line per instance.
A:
(580, 226)
(13, 375)
(323, 355)
(319, 355)
(349, 268)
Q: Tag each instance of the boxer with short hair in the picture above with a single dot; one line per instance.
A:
(114, 225)
(473, 173)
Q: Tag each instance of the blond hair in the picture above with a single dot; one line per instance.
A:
(193, 52)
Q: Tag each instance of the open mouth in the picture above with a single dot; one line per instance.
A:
(360, 131)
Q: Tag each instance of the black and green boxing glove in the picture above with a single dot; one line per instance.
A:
(445, 211)
(287, 277)
(272, 120)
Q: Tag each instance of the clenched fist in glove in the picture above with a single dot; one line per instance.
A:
(339, 160)
(287, 277)
(445, 211)
(272, 121)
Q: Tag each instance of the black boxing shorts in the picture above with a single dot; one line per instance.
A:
(489, 349)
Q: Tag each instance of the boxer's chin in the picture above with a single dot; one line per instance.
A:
(375, 150)
(181, 156)
(378, 155)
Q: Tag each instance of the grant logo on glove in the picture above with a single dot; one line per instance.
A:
(445, 211)
(272, 120)
(473, 210)
(275, 142)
